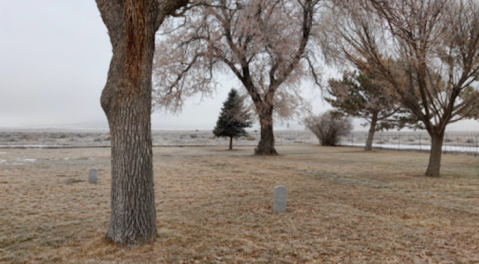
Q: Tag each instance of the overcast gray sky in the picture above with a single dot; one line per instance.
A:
(54, 58)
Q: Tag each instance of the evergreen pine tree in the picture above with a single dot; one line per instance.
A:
(361, 95)
(234, 118)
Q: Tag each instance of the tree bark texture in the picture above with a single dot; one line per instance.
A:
(372, 129)
(266, 143)
(434, 167)
(126, 101)
(231, 143)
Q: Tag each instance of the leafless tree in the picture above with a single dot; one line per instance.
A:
(127, 102)
(328, 128)
(264, 44)
(428, 51)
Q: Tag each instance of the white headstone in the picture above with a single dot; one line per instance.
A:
(279, 203)
(92, 176)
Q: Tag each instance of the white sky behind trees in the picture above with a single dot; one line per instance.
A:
(54, 59)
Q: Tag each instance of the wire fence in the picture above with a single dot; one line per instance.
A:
(454, 142)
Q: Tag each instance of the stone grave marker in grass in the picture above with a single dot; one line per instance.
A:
(92, 176)
(279, 204)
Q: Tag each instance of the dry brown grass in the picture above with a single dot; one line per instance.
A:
(214, 206)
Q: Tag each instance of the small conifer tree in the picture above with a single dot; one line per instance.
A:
(234, 118)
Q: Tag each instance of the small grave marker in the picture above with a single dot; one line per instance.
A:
(279, 204)
(92, 176)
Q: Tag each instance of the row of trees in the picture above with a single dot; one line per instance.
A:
(407, 62)
(424, 53)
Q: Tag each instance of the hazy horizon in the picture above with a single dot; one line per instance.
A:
(464, 126)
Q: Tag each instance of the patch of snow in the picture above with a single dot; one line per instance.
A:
(3, 161)
(30, 160)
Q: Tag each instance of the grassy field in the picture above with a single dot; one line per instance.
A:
(215, 206)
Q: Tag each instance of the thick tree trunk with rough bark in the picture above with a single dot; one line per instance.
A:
(133, 212)
(372, 129)
(434, 167)
(127, 104)
(126, 101)
(231, 143)
(266, 143)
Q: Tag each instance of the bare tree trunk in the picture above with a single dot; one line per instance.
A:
(372, 129)
(231, 143)
(434, 167)
(266, 143)
(126, 101)
(133, 212)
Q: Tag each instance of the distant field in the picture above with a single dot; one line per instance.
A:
(45, 139)
(454, 142)
(215, 206)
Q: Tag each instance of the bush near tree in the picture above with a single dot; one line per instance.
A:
(328, 127)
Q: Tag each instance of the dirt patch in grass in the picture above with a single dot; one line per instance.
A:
(215, 206)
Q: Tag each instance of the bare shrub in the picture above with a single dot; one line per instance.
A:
(328, 128)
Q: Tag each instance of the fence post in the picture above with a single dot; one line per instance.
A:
(475, 141)
(381, 140)
(420, 146)
(399, 141)
(384, 139)
(444, 145)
